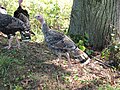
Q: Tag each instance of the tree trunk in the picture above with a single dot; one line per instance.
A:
(96, 18)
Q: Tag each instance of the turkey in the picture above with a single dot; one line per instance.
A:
(23, 15)
(61, 44)
(3, 11)
(10, 25)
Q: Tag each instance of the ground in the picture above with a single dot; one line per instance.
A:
(34, 67)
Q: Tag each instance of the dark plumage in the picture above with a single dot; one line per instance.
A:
(61, 44)
(10, 25)
(20, 10)
(3, 11)
(23, 15)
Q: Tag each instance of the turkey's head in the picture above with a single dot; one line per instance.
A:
(40, 18)
(20, 1)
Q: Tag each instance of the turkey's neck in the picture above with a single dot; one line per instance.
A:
(19, 4)
(43, 22)
(45, 28)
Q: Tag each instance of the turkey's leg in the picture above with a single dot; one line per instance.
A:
(9, 43)
(68, 57)
(59, 57)
(18, 42)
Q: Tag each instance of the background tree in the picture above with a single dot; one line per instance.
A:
(96, 18)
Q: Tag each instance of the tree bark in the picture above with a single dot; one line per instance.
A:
(96, 18)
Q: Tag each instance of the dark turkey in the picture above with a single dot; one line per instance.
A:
(3, 11)
(10, 25)
(61, 44)
(23, 15)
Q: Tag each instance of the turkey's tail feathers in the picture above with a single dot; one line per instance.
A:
(81, 56)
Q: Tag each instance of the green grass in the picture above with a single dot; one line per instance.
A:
(108, 87)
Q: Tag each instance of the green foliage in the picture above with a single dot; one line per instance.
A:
(55, 12)
(5, 64)
(81, 45)
(18, 88)
(89, 51)
(108, 87)
(56, 15)
(82, 42)
(105, 54)
(112, 52)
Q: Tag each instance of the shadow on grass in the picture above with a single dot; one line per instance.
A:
(32, 69)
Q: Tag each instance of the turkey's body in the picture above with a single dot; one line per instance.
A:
(10, 25)
(23, 16)
(2, 11)
(61, 44)
(57, 41)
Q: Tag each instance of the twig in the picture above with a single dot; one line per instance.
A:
(105, 64)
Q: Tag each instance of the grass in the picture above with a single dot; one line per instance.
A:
(34, 67)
